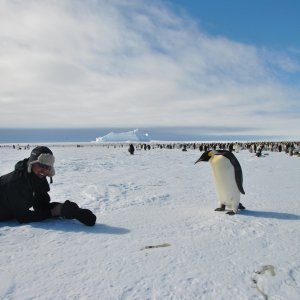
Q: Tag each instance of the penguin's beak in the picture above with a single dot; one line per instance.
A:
(198, 160)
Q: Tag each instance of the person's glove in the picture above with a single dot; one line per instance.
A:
(70, 210)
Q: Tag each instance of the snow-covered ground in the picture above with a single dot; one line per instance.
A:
(157, 198)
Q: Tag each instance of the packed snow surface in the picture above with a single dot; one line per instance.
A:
(157, 235)
(129, 136)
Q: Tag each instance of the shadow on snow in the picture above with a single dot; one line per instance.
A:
(70, 226)
(270, 215)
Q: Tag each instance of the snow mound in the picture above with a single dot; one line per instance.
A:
(129, 136)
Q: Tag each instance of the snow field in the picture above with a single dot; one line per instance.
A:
(149, 199)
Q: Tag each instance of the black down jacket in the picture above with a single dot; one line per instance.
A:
(20, 191)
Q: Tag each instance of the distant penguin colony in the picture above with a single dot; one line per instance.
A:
(228, 178)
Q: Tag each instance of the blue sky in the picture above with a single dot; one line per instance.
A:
(230, 67)
(264, 23)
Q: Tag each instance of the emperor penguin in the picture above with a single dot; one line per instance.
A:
(228, 178)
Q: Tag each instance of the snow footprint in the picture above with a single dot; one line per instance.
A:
(259, 278)
(269, 268)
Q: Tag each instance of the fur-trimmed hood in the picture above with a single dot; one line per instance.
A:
(42, 155)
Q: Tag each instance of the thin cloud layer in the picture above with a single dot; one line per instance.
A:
(136, 64)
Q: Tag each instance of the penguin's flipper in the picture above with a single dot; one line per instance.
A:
(237, 169)
(241, 206)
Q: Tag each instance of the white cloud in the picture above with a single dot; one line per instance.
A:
(132, 64)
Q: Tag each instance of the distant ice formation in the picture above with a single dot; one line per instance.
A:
(129, 136)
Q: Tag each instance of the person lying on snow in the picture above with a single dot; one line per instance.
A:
(27, 187)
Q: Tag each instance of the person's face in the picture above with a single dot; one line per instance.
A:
(40, 170)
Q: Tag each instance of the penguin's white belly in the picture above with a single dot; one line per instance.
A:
(224, 178)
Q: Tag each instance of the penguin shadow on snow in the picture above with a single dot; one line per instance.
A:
(270, 215)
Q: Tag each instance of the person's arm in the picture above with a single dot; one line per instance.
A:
(41, 201)
(20, 200)
(53, 210)
(32, 216)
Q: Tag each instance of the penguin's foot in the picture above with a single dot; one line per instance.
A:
(231, 213)
(241, 206)
(222, 208)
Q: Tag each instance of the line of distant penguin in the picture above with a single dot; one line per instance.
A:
(291, 148)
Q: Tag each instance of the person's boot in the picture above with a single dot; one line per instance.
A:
(71, 210)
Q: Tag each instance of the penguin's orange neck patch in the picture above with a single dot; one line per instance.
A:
(210, 153)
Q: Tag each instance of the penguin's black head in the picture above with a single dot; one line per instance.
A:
(206, 156)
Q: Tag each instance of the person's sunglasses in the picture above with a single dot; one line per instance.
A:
(42, 166)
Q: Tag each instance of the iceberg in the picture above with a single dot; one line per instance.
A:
(129, 136)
